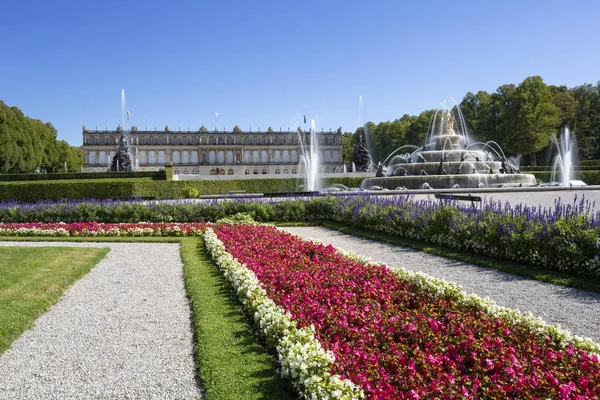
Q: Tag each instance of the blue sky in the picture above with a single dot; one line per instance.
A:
(268, 63)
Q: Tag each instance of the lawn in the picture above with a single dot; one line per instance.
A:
(33, 279)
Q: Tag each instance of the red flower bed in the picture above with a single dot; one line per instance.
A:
(398, 342)
(100, 229)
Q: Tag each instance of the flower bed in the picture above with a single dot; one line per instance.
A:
(404, 336)
(83, 229)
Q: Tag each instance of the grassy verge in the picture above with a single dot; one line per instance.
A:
(231, 363)
(525, 270)
(32, 279)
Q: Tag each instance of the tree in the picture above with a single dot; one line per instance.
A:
(530, 118)
(348, 148)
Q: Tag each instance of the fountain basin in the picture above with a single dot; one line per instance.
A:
(448, 181)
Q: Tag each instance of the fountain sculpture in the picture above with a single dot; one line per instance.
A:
(122, 159)
(563, 172)
(309, 158)
(448, 159)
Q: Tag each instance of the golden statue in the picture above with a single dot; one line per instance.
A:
(448, 123)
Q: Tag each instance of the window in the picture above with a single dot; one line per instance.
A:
(195, 157)
(213, 171)
(229, 139)
(151, 157)
(293, 170)
(221, 157)
(294, 157)
(286, 171)
(221, 140)
(246, 140)
(247, 172)
(286, 157)
(175, 157)
(229, 157)
(264, 158)
(142, 157)
(211, 140)
(102, 158)
(161, 157)
(277, 171)
(277, 156)
(264, 171)
(211, 157)
(327, 156)
(185, 158)
(175, 140)
(92, 157)
(111, 155)
(246, 157)
(255, 156)
(335, 156)
(230, 171)
(255, 171)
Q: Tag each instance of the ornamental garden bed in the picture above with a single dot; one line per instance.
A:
(365, 329)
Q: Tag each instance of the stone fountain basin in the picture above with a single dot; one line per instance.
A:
(448, 181)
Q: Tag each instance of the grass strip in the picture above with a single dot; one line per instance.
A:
(33, 279)
(524, 270)
(231, 362)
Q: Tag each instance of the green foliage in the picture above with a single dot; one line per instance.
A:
(159, 175)
(348, 148)
(27, 144)
(190, 192)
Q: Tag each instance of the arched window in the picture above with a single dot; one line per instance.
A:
(255, 156)
(221, 157)
(264, 171)
(194, 157)
(277, 156)
(185, 158)
(277, 171)
(111, 155)
(175, 140)
(221, 140)
(255, 171)
(294, 170)
(211, 140)
(102, 158)
(247, 172)
(229, 157)
(229, 139)
(211, 157)
(204, 158)
(286, 171)
(246, 157)
(151, 157)
(294, 157)
(286, 157)
(255, 140)
(92, 158)
(335, 156)
(142, 157)
(175, 157)
(264, 157)
(246, 140)
(161, 157)
(327, 156)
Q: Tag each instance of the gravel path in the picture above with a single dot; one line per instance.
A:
(575, 310)
(123, 331)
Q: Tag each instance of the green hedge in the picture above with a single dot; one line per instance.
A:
(590, 163)
(145, 188)
(589, 177)
(160, 175)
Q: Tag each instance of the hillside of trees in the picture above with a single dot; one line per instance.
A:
(522, 119)
(28, 144)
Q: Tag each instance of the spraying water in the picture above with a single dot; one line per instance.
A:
(310, 158)
(562, 166)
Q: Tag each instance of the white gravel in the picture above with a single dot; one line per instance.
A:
(575, 310)
(123, 331)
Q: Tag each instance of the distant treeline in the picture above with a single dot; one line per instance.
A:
(27, 145)
(522, 119)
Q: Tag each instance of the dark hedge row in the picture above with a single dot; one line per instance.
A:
(145, 188)
(160, 175)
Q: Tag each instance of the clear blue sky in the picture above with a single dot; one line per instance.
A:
(260, 63)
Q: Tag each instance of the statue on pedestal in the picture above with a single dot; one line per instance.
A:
(448, 123)
(122, 160)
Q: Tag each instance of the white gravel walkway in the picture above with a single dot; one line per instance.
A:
(575, 310)
(123, 331)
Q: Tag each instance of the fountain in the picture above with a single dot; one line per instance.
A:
(309, 158)
(563, 173)
(448, 159)
(122, 159)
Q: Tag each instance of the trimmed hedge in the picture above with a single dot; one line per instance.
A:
(590, 163)
(144, 188)
(159, 175)
(589, 177)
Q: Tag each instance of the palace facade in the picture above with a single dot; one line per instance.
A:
(205, 152)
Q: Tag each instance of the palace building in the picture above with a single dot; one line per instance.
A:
(205, 152)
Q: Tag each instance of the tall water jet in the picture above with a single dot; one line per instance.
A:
(565, 159)
(122, 159)
(310, 157)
